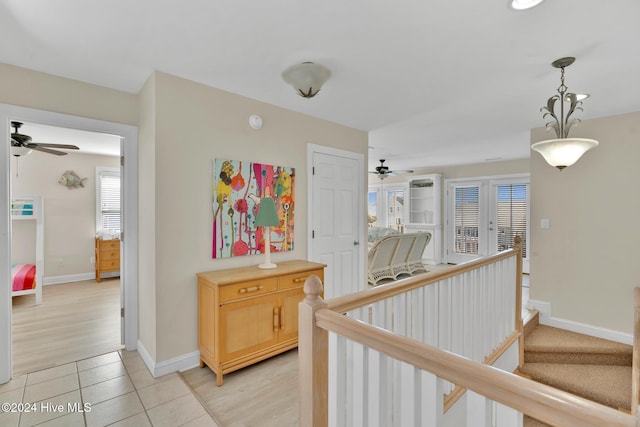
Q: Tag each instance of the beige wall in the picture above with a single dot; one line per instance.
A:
(32, 89)
(70, 215)
(183, 126)
(586, 263)
(147, 219)
(194, 124)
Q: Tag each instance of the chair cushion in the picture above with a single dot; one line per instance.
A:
(375, 233)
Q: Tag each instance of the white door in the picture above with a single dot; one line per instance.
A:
(484, 216)
(509, 217)
(466, 235)
(336, 218)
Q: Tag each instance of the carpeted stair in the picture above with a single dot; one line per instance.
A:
(592, 368)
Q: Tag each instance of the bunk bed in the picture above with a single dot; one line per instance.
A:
(28, 279)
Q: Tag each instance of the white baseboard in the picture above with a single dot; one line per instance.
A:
(177, 364)
(544, 308)
(55, 280)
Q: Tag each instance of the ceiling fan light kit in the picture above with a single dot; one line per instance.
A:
(307, 78)
(563, 151)
(382, 171)
(524, 4)
(22, 145)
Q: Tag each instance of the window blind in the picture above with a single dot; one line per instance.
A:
(466, 220)
(108, 192)
(512, 215)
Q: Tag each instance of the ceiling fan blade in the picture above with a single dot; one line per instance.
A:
(46, 150)
(402, 171)
(61, 146)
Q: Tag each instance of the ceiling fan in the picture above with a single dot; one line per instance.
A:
(21, 145)
(383, 171)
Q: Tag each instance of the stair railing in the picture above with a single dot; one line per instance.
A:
(635, 370)
(369, 359)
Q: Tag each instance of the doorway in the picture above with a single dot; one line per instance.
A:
(484, 215)
(336, 218)
(129, 196)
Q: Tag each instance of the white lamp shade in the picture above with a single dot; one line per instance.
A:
(20, 151)
(563, 152)
(307, 78)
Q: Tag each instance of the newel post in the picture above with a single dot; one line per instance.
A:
(519, 326)
(313, 355)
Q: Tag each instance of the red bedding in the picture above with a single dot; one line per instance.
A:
(23, 277)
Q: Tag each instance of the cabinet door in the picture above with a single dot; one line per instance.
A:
(289, 301)
(247, 326)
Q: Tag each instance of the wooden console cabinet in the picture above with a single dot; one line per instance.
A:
(247, 314)
(107, 256)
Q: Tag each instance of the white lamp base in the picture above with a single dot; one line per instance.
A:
(266, 266)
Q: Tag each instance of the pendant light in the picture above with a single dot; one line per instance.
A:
(563, 151)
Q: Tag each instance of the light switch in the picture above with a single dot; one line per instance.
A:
(544, 223)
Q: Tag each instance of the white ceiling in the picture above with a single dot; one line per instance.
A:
(435, 82)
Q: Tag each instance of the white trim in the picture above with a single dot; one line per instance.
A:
(544, 309)
(130, 196)
(508, 177)
(362, 207)
(5, 256)
(79, 277)
(180, 363)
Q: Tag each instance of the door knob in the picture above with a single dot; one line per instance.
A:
(356, 243)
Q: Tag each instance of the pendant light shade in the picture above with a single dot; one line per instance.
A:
(307, 78)
(563, 151)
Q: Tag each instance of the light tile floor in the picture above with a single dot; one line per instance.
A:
(114, 389)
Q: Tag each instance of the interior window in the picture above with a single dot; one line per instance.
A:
(107, 200)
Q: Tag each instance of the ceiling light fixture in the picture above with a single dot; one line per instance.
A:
(525, 4)
(563, 151)
(307, 78)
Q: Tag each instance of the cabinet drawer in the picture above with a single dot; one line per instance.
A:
(107, 264)
(109, 255)
(109, 244)
(248, 289)
(296, 280)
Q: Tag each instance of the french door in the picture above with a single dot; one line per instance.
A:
(485, 215)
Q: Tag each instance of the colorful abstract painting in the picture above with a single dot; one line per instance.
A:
(237, 189)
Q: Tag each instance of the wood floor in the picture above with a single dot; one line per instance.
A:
(75, 321)
(260, 395)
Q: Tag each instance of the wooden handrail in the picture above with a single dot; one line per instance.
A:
(355, 300)
(635, 370)
(542, 402)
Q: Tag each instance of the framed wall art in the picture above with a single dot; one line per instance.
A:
(238, 187)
